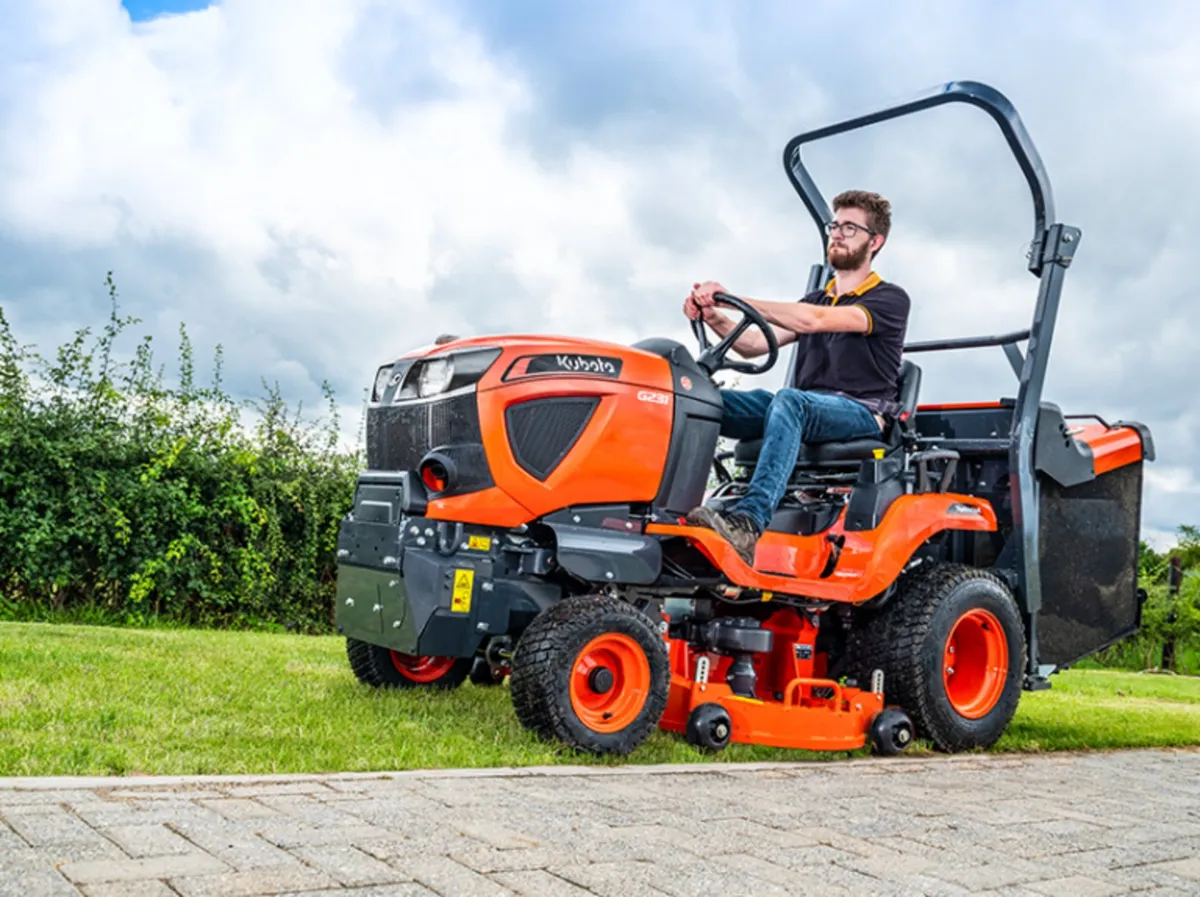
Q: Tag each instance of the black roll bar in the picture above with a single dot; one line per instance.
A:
(1051, 252)
(968, 342)
(985, 97)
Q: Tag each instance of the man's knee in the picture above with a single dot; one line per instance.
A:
(790, 401)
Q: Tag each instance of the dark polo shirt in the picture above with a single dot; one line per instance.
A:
(862, 366)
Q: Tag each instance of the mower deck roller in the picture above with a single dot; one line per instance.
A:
(522, 517)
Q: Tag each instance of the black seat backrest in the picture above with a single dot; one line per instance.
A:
(910, 389)
(910, 394)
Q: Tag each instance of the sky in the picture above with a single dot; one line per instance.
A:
(320, 186)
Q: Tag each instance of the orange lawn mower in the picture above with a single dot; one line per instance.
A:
(522, 515)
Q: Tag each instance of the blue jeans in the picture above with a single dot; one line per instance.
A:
(783, 421)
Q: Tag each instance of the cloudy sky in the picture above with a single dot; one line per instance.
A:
(320, 185)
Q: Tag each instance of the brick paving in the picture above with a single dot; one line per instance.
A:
(1093, 825)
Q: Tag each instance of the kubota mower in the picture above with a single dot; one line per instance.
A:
(523, 512)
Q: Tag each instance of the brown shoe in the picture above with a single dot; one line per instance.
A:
(736, 529)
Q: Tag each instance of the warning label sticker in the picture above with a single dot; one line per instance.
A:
(479, 543)
(460, 598)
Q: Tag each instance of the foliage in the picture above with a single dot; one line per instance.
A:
(123, 496)
(1166, 617)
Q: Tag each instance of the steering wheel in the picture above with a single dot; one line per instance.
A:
(713, 358)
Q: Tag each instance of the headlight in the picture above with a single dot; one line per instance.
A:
(445, 373)
(381, 382)
(436, 375)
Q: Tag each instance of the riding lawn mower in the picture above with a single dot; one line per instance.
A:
(523, 515)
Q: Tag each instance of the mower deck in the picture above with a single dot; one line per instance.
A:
(811, 714)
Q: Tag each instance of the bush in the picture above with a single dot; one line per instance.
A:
(1166, 618)
(127, 498)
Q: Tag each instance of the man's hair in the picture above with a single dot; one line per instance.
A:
(878, 209)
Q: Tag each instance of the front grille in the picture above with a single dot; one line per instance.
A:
(542, 431)
(399, 436)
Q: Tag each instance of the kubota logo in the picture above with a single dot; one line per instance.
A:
(657, 398)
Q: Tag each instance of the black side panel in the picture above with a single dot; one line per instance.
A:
(542, 431)
(966, 423)
(879, 484)
(600, 555)
(694, 434)
(1088, 547)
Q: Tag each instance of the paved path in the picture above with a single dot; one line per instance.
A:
(1052, 826)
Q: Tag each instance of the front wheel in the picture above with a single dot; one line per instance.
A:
(359, 654)
(593, 673)
(393, 669)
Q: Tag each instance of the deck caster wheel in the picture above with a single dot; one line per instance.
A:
(891, 732)
(709, 727)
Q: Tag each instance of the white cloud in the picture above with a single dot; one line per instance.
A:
(319, 185)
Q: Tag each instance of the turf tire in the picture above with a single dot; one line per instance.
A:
(359, 655)
(390, 675)
(906, 640)
(545, 658)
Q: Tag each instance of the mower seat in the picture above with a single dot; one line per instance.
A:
(849, 452)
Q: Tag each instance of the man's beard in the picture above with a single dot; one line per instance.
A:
(844, 261)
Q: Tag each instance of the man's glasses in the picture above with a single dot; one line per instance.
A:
(848, 229)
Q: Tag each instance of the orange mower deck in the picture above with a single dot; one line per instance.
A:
(801, 720)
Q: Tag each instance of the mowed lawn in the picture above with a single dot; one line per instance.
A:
(78, 700)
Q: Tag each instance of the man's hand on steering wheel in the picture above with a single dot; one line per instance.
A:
(700, 307)
(700, 303)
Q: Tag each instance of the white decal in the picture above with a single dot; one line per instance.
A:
(656, 397)
(587, 365)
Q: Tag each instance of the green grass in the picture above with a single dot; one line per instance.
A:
(80, 700)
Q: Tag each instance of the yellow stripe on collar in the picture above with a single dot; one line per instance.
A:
(873, 280)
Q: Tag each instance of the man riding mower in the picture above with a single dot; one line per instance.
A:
(871, 570)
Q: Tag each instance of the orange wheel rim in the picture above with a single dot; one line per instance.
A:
(975, 664)
(610, 682)
(421, 669)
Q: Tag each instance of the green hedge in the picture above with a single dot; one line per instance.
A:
(131, 499)
(1166, 616)
(126, 499)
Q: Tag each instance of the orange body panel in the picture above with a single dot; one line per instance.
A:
(869, 561)
(609, 462)
(1111, 447)
(800, 720)
(619, 457)
(489, 507)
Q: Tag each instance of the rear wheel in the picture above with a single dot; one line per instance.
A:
(394, 669)
(952, 649)
(591, 672)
